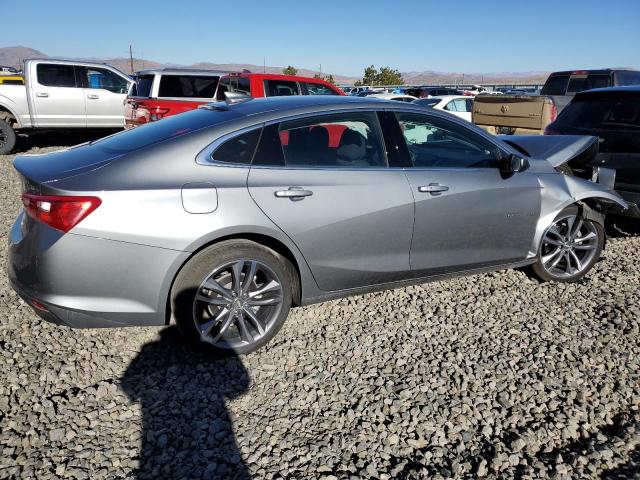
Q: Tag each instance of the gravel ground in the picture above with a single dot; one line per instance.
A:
(494, 376)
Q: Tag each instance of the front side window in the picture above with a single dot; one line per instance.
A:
(319, 89)
(433, 142)
(101, 78)
(188, 86)
(342, 140)
(52, 75)
(280, 88)
(238, 149)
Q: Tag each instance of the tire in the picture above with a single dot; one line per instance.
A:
(215, 308)
(569, 248)
(7, 138)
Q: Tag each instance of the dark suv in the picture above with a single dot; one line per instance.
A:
(613, 115)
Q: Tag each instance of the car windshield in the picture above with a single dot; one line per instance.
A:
(606, 113)
(166, 129)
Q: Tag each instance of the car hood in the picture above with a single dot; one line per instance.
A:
(555, 149)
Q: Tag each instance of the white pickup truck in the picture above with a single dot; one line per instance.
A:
(62, 95)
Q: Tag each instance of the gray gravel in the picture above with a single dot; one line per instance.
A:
(494, 376)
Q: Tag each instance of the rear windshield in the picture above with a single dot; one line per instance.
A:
(427, 102)
(142, 86)
(627, 77)
(165, 129)
(555, 85)
(587, 82)
(188, 86)
(606, 113)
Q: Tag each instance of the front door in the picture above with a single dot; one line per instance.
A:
(57, 98)
(468, 213)
(105, 92)
(324, 181)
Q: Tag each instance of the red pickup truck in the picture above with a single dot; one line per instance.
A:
(156, 94)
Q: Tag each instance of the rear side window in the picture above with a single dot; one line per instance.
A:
(342, 140)
(188, 86)
(627, 78)
(52, 75)
(555, 85)
(280, 88)
(319, 89)
(142, 86)
(615, 113)
(238, 149)
(587, 82)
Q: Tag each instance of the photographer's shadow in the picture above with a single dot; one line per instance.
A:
(187, 432)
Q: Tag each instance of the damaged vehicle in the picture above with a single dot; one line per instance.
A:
(224, 218)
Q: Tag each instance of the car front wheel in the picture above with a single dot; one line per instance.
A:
(569, 247)
(233, 296)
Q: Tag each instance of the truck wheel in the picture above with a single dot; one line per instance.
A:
(7, 138)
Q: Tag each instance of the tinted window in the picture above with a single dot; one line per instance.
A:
(434, 142)
(269, 150)
(280, 88)
(587, 82)
(627, 78)
(193, 86)
(238, 149)
(104, 79)
(142, 86)
(156, 132)
(615, 113)
(555, 85)
(56, 75)
(344, 140)
(319, 89)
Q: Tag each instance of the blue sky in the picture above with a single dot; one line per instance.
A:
(479, 36)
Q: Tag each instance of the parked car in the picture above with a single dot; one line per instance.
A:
(160, 93)
(460, 106)
(612, 115)
(425, 92)
(225, 217)
(274, 85)
(5, 70)
(398, 97)
(61, 94)
(530, 113)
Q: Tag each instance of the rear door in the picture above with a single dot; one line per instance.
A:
(324, 181)
(105, 92)
(468, 214)
(56, 96)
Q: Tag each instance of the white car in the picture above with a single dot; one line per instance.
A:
(458, 105)
(399, 97)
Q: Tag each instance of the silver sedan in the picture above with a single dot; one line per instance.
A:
(223, 218)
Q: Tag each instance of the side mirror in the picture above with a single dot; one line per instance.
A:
(512, 163)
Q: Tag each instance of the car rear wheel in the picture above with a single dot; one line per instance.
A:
(233, 296)
(569, 247)
(7, 137)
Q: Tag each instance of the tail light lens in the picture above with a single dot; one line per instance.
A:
(554, 112)
(158, 113)
(60, 212)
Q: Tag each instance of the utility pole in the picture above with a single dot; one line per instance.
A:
(320, 70)
(264, 64)
(131, 57)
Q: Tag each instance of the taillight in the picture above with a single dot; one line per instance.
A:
(60, 212)
(554, 112)
(158, 113)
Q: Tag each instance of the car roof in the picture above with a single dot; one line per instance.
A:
(390, 95)
(450, 97)
(627, 88)
(277, 76)
(181, 71)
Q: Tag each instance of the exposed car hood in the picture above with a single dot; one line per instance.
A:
(555, 149)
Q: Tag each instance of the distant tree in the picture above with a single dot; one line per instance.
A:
(357, 83)
(290, 70)
(384, 76)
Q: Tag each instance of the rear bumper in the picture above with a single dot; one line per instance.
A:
(86, 282)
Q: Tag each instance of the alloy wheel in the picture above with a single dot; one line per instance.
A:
(569, 246)
(237, 304)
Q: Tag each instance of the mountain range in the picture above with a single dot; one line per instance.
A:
(13, 56)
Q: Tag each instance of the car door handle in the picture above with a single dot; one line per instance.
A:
(433, 188)
(293, 193)
(92, 96)
(42, 94)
